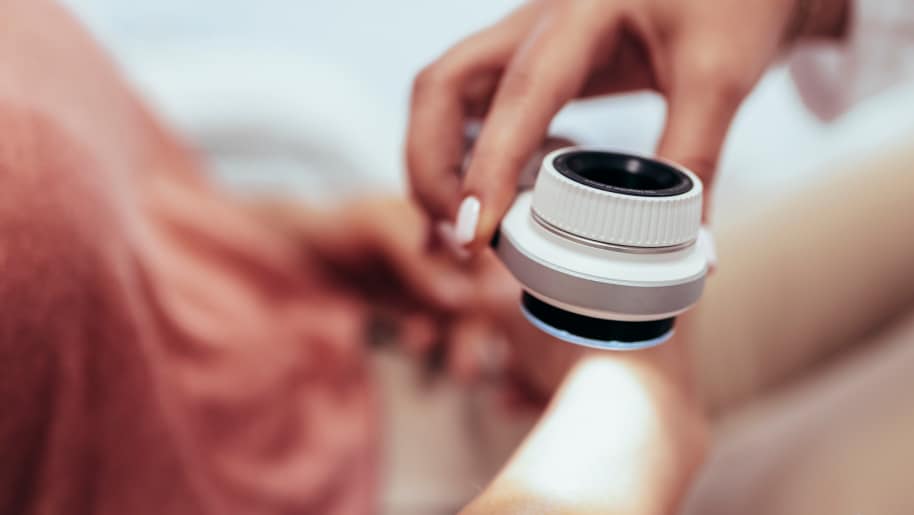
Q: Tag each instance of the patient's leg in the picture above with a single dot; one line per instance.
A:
(837, 442)
(809, 278)
(816, 277)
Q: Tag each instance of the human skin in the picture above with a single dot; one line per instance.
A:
(702, 56)
(649, 383)
(623, 432)
(751, 333)
(620, 436)
(837, 257)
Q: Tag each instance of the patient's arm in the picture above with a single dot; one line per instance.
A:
(623, 434)
(806, 279)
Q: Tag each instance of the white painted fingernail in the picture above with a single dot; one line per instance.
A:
(449, 237)
(706, 240)
(467, 219)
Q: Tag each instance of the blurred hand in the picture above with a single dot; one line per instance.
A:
(464, 314)
(374, 251)
(703, 56)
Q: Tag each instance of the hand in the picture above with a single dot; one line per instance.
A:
(465, 312)
(373, 252)
(703, 56)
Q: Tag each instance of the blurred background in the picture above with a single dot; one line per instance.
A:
(308, 95)
(311, 98)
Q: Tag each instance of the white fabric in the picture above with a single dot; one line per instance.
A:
(305, 97)
(878, 53)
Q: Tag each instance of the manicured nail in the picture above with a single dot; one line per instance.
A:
(467, 219)
(448, 236)
(706, 240)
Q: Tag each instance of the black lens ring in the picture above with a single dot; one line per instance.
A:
(622, 173)
(595, 328)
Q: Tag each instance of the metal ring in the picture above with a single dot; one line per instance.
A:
(558, 231)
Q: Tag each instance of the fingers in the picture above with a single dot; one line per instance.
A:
(701, 107)
(396, 236)
(444, 93)
(546, 72)
(435, 281)
(378, 247)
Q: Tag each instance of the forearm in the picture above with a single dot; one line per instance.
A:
(623, 434)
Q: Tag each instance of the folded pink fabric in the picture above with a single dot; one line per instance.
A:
(162, 351)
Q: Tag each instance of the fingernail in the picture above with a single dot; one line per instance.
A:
(706, 240)
(448, 236)
(467, 219)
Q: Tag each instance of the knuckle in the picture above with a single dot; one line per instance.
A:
(434, 77)
(532, 88)
(424, 79)
(519, 83)
(498, 164)
(732, 89)
(720, 74)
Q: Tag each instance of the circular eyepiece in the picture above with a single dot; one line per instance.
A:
(623, 173)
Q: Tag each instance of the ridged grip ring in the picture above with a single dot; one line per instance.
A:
(579, 206)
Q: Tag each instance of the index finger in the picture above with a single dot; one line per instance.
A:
(548, 71)
(435, 136)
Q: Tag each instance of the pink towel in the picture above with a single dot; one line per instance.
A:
(162, 351)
